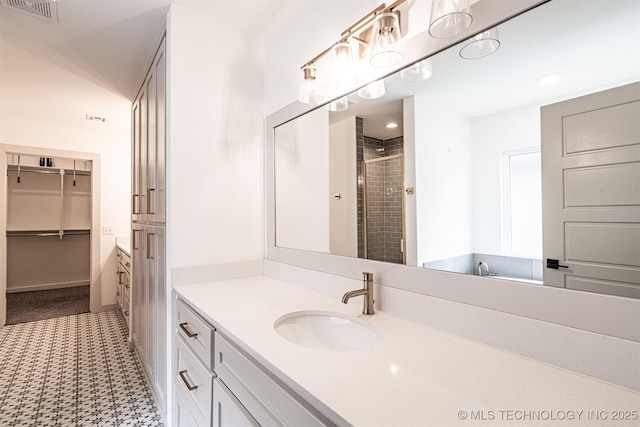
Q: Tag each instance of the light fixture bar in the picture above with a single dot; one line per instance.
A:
(359, 26)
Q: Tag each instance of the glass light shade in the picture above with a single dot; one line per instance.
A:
(481, 45)
(419, 71)
(449, 18)
(308, 89)
(342, 63)
(339, 104)
(386, 33)
(372, 90)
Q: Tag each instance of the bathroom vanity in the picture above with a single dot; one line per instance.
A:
(246, 373)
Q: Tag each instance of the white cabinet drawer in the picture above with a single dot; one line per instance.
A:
(194, 382)
(269, 401)
(183, 414)
(197, 333)
(227, 410)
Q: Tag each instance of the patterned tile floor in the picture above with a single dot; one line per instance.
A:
(72, 371)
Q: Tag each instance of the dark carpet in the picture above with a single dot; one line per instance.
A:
(39, 305)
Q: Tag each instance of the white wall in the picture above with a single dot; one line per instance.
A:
(343, 212)
(302, 183)
(443, 182)
(215, 140)
(492, 134)
(45, 106)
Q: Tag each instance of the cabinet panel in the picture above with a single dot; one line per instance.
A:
(268, 401)
(149, 151)
(227, 410)
(139, 283)
(136, 150)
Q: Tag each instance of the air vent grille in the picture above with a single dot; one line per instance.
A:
(43, 9)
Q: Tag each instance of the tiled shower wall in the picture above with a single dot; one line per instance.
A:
(384, 185)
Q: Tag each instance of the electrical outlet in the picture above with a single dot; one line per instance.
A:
(107, 229)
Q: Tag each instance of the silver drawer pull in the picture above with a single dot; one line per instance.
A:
(186, 382)
(183, 326)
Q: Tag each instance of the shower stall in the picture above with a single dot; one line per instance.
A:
(382, 195)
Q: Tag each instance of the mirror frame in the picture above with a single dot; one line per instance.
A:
(599, 313)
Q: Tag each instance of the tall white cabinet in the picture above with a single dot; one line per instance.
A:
(149, 315)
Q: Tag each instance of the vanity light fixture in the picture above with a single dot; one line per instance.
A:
(373, 90)
(308, 90)
(342, 71)
(374, 35)
(340, 104)
(419, 71)
(386, 34)
(449, 18)
(481, 45)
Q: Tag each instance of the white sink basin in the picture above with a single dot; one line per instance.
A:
(325, 330)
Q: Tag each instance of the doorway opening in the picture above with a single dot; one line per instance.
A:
(48, 236)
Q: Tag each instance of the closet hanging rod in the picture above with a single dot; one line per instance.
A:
(47, 233)
(37, 170)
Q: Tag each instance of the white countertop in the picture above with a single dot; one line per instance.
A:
(124, 243)
(412, 375)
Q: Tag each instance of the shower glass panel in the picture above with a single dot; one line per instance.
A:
(384, 209)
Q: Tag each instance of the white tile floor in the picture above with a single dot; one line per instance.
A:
(72, 371)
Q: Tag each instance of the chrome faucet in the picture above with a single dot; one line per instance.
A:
(367, 291)
(482, 264)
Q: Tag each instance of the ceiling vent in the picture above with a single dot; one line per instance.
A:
(43, 9)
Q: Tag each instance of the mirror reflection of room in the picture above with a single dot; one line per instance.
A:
(472, 148)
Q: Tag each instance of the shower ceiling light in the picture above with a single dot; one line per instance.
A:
(375, 34)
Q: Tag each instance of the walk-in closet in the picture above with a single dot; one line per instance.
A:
(48, 236)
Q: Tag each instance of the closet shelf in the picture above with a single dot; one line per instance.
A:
(46, 233)
(52, 170)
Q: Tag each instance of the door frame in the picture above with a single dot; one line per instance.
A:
(95, 289)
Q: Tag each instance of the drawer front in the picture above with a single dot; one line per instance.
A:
(183, 415)
(197, 333)
(194, 382)
(124, 259)
(268, 401)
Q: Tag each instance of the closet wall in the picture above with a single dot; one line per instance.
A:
(48, 223)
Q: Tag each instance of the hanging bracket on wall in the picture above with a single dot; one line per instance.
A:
(337, 196)
(18, 168)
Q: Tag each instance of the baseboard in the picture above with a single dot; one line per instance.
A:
(47, 286)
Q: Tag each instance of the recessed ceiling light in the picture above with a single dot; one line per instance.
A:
(392, 125)
(549, 79)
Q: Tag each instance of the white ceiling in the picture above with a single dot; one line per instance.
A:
(111, 41)
(593, 44)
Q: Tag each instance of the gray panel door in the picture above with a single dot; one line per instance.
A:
(591, 192)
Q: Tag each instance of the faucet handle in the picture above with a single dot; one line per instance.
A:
(366, 276)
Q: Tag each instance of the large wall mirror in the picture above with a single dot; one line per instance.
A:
(456, 184)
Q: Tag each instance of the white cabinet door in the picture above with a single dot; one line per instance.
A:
(156, 311)
(139, 283)
(227, 410)
(591, 192)
(156, 149)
